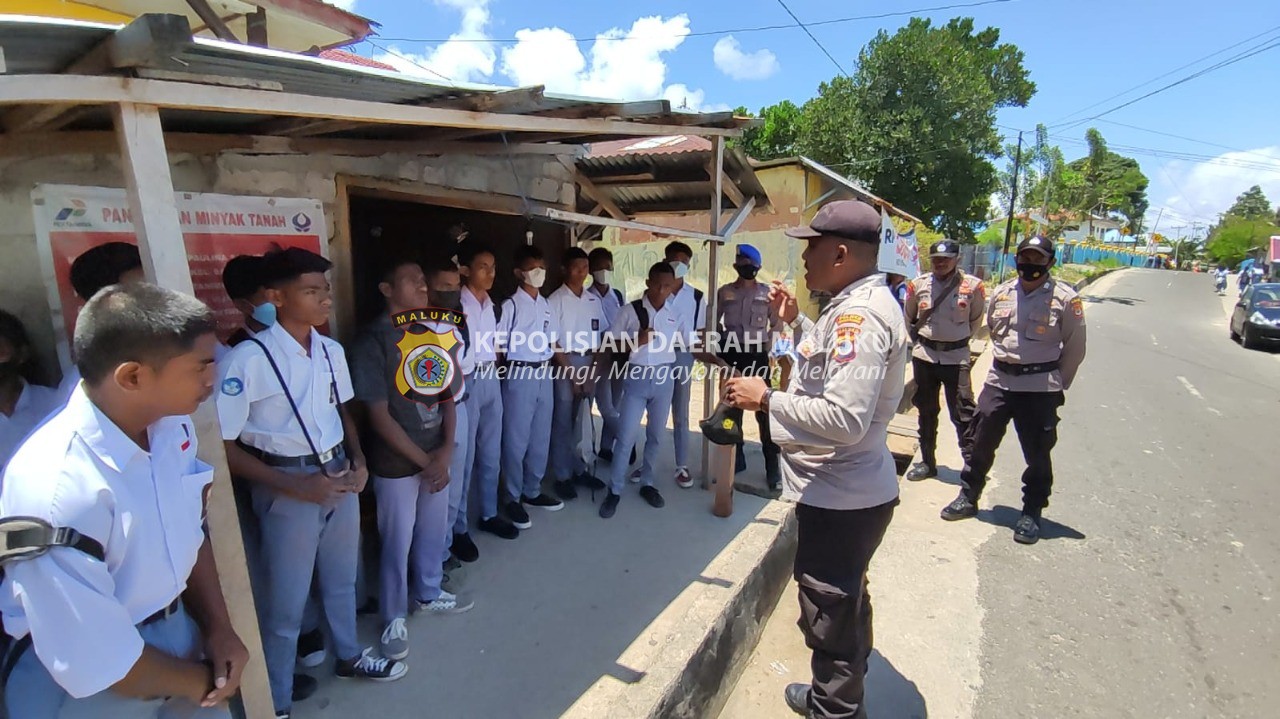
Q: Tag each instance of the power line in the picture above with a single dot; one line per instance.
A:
(1255, 50)
(411, 61)
(1183, 137)
(1188, 156)
(814, 38)
(1167, 74)
(730, 31)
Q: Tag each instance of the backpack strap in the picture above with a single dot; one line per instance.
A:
(642, 314)
(618, 293)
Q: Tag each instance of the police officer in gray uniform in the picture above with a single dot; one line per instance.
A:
(743, 309)
(832, 425)
(944, 308)
(1038, 342)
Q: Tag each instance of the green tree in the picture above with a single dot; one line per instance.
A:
(1108, 183)
(775, 136)
(1235, 237)
(1252, 204)
(916, 121)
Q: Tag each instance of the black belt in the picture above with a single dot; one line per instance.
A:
(462, 399)
(943, 346)
(522, 363)
(165, 613)
(1023, 369)
(482, 366)
(308, 460)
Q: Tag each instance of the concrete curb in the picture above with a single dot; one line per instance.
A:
(1090, 280)
(690, 658)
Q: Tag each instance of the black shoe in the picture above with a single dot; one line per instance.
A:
(653, 497)
(797, 696)
(921, 470)
(373, 668)
(517, 515)
(499, 527)
(609, 505)
(565, 490)
(588, 480)
(303, 687)
(311, 648)
(1027, 530)
(960, 508)
(605, 455)
(740, 461)
(451, 564)
(463, 548)
(543, 501)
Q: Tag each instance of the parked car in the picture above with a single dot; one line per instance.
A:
(1256, 317)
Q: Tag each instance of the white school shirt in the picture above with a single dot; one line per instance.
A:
(253, 408)
(683, 304)
(581, 319)
(81, 471)
(610, 302)
(528, 328)
(33, 405)
(69, 382)
(664, 322)
(483, 325)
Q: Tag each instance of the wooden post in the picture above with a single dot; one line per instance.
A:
(717, 460)
(164, 258)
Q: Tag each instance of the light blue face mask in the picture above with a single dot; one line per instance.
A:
(265, 313)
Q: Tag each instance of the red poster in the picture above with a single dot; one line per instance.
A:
(70, 220)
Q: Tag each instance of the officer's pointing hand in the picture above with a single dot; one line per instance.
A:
(782, 304)
(745, 392)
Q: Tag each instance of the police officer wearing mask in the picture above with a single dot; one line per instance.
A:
(743, 308)
(944, 309)
(1038, 342)
(832, 426)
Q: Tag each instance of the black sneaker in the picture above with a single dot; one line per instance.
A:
(653, 497)
(543, 501)
(367, 666)
(960, 508)
(921, 470)
(499, 527)
(609, 505)
(311, 649)
(797, 696)
(588, 480)
(464, 549)
(517, 515)
(565, 490)
(303, 687)
(1027, 530)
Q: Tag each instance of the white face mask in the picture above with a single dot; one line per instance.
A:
(602, 277)
(681, 269)
(536, 277)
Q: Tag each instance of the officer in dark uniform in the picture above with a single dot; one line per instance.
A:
(944, 308)
(1038, 342)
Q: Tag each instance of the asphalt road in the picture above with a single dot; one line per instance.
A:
(1154, 591)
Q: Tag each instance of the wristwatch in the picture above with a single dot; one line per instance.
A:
(764, 401)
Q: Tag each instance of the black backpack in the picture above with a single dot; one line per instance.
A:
(620, 357)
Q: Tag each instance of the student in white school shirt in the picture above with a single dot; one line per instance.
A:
(609, 386)
(527, 332)
(580, 316)
(688, 302)
(97, 267)
(23, 405)
(305, 477)
(133, 610)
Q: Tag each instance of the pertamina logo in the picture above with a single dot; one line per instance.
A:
(76, 210)
(428, 371)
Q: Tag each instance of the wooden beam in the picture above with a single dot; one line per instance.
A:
(739, 217)
(566, 216)
(444, 196)
(202, 79)
(610, 180)
(727, 185)
(591, 191)
(256, 28)
(717, 460)
(164, 257)
(212, 21)
(77, 89)
(45, 144)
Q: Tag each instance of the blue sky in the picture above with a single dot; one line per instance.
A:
(1079, 52)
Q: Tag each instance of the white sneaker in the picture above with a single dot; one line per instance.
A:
(395, 640)
(683, 479)
(446, 603)
(635, 476)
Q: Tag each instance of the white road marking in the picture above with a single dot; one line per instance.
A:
(1215, 411)
(1190, 388)
(1153, 341)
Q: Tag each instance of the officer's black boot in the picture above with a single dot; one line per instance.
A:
(1027, 530)
(772, 467)
(963, 506)
(740, 460)
(925, 468)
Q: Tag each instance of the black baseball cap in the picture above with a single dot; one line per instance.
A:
(944, 248)
(850, 219)
(1043, 245)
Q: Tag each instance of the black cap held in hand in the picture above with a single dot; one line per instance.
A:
(850, 219)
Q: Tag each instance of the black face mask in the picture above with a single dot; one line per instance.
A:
(747, 272)
(448, 299)
(1032, 272)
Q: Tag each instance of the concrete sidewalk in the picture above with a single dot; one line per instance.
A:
(588, 617)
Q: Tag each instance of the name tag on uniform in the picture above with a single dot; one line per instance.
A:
(595, 324)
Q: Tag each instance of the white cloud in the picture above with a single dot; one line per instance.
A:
(347, 5)
(739, 65)
(460, 58)
(1198, 191)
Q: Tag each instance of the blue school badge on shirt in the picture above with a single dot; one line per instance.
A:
(232, 387)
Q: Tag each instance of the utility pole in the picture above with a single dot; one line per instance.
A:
(1177, 244)
(1013, 199)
